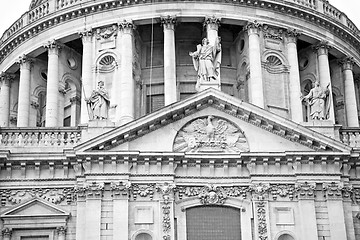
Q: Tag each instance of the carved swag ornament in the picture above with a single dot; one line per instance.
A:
(210, 134)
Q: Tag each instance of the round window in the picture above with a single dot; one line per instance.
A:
(71, 63)
(241, 45)
(43, 75)
(303, 63)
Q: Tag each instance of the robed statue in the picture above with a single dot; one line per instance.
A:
(318, 99)
(207, 60)
(98, 103)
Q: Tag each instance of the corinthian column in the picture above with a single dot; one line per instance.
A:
(322, 50)
(169, 59)
(52, 86)
(86, 75)
(127, 83)
(347, 65)
(256, 91)
(212, 26)
(295, 90)
(24, 91)
(5, 80)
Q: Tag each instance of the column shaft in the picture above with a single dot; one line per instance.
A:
(24, 92)
(87, 79)
(256, 91)
(61, 105)
(93, 219)
(294, 77)
(169, 60)
(127, 101)
(324, 73)
(350, 97)
(121, 208)
(5, 80)
(52, 86)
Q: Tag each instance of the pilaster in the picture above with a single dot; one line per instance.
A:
(295, 89)
(256, 91)
(5, 85)
(52, 87)
(24, 91)
(170, 92)
(75, 107)
(127, 83)
(167, 210)
(120, 193)
(94, 192)
(347, 65)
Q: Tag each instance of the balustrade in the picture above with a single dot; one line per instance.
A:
(39, 12)
(39, 137)
(66, 3)
(350, 136)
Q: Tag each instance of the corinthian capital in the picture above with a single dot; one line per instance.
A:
(25, 62)
(347, 63)
(6, 78)
(212, 22)
(86, 35)
(168, 22)
(253, 27)
(126, 26)
(322, 48)
(292, 34)
(52, 46)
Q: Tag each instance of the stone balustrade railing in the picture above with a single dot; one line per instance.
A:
(39, 137)
(350, 136)
(51, 6)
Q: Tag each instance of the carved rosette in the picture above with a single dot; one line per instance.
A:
(52, 46)
(333, 190)
(120, 189)
(142, 190)
(305, 190)
(322, 48)
(253, 27)
(168, 22)
(261, 220)
(212, 22)
(106, 32)
(210, 134)
(347, 63)
(53, 195)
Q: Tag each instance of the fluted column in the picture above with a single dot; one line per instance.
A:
(86, 75)
(212, 26)
(170, 93)
(347, 65)
(52, 86)
(5, 81)
(322, 50)
(24, 91)
(294, 77)
(127, 83)
(256, 91)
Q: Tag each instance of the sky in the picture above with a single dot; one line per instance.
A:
(11, 10)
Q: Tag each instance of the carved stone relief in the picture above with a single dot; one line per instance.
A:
(210, 134)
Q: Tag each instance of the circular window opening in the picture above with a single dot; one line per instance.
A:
(304, 62)
(44, 75)
(241, 45)
(71, 62)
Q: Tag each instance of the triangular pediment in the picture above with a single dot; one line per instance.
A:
(255, 123)
(33, 208)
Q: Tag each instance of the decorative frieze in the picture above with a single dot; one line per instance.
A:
(333, 190)
(53, 195)
(106, 32)
(305, 190)
(282, 191)
(260, 191)
(120, 189)
(272, 33)
(142, 190)
(90, 190)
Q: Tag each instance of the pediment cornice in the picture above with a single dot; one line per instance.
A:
(213, 98)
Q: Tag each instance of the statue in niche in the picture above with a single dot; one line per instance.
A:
(318, 100)
(207, 60)
(98, 103)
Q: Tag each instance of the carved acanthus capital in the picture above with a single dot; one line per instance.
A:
(305, 190)
(120, 189)
(61, 230)
(90, 190)
(322, 48)
(260, 191)
(53, 47)
(333, 190)
(292, 35)
(282, 191)
(107, 32)
(25, 62)
(212, 22)
(166, 189)
(126, 26)
(347, 63)
(6, 233)
(75, 100)
(146, 190)
(253, 27)
(86, 35)
(168, 22)
(6, 78)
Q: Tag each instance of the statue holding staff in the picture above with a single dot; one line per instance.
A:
(318, 99)
(99, 103)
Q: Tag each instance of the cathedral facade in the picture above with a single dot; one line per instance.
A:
(180, 120)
